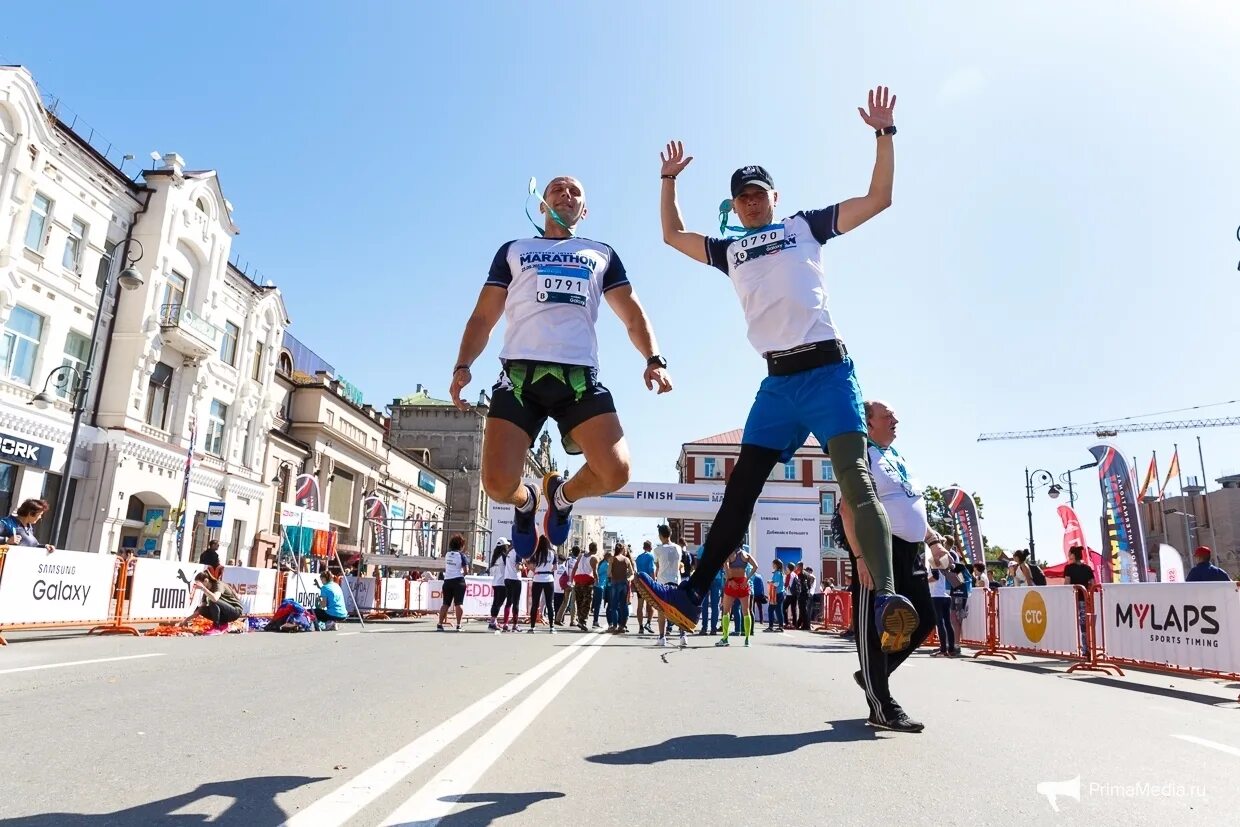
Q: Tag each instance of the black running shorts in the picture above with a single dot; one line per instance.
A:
(454, 591)
(527, 393)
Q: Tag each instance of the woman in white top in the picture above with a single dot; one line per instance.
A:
(544, 564)
(940, 593)
(498, 591)
(1020, 574)
(512, 593)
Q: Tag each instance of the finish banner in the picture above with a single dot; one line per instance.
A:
(968, 524)
(1123, 540)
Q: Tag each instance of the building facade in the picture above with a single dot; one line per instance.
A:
(712, 458)
(1197, 518)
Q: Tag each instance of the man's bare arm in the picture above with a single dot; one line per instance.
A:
(856, 211)
(674, 233)
(474, 340)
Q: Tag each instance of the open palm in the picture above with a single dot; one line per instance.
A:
(882, 108)
(673, 158)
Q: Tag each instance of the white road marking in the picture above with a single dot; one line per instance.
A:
(1193, 739)
(346, 634)
(342, 804)
(79, 663)
(439, 796)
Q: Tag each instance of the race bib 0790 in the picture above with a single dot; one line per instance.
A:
(769, 240)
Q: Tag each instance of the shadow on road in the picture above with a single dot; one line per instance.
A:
(723, 745)
(253, 805)
(497, 806)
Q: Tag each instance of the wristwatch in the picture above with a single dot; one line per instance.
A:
(886, 130)
(656, 361)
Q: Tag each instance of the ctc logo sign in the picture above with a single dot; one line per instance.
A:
(1033, 616)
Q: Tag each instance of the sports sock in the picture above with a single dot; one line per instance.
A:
(748, 625)
(562, 503)
(727, 621)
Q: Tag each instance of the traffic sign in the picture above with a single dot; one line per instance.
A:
(215, 515)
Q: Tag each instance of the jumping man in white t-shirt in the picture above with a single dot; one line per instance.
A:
(549, 290)
(776, 270)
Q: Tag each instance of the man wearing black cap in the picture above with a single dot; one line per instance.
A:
(776, 270)
(1203, 571)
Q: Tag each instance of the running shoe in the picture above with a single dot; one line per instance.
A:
(557, 523)
(524, 533)
(897, 721)
(896, 619)
(674, 601)
(722, 642)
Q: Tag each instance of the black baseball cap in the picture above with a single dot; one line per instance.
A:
(745, 176)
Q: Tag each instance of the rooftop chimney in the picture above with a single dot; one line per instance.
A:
(174, 162)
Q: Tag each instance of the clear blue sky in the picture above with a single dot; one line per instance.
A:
(1061, 249)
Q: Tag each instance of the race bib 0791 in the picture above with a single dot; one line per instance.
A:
(562, 284)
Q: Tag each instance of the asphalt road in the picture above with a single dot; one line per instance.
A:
(403, 725)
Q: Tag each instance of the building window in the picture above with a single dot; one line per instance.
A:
(157, 391)
(283, 483)
(201, 205)
(73, 246)
(828, 503)
(174, 294)
(828, 473)
(77, 349)
(228, 346)
(340, 497)
(36, 230)
(828, 539)
(8, 480)
(285, 365)
(790, 470)
(215, 428)
(331, 419)
(239, 544)
(258, 362)
(708, 467)
(20, 346)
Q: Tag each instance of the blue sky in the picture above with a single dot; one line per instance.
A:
(1062, 246)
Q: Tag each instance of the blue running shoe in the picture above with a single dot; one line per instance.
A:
(672, 600)
(557, 523)
(524, 535)
(896, 620)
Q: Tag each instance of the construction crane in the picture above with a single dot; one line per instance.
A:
(1103, 431)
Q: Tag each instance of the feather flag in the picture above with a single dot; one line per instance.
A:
(1151, 475)
(1172, 471)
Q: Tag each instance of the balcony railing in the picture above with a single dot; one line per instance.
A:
(181, 317)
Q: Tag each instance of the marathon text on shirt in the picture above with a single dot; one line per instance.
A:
(540, 257)
(25, 451)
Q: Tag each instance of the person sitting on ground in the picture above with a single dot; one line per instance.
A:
(333, 610)
(220, 605)
(18, 528)
(211, 559)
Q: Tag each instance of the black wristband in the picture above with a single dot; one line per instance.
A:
(668, 177)
(460, 367)
(886, 130)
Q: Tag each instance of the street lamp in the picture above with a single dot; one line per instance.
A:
(129, 279)
(1055, 490)
(1041, 477)
(1189, 519)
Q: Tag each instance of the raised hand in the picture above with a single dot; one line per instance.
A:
(674, 159)
(460, 378)
(882, 108)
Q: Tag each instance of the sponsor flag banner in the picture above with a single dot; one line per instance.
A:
(61, 587)
(1043, 618)
(157, 592)
(1170, 564)
(968, 525)
(1123, 540)
(1187, 625)
(1073, 533)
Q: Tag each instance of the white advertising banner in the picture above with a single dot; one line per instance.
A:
(782, 530)
(255, 587)
(478, 596)
(157, 592)
(304, 588)
(394, 594)
(973, 628)
(1188, 625)
(1039, 617)
(61, 587)
(419, 596)
(363, 589)
(292, 516)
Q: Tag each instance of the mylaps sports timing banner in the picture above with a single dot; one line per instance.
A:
(1189, 625)
(968, 525)
(1123, 541)
(61, 587)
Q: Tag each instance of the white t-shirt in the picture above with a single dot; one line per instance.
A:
(510, 566)
(778, 277)
(545, 572)
(560, 569)
(900, 494)
(554, 286)
(667, 558)
(497, 571)
(940, 587)
(453, 565)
